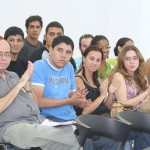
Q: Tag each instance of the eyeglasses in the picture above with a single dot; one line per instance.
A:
(134, 58)
(7, 54)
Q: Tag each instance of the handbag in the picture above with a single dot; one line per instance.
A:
(118, 107)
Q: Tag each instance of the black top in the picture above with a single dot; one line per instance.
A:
(93, 94)
(28, 49)
(73, 64)
(37, 55)
(19, 66)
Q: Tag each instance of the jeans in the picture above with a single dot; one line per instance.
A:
(141, 141)
(102, 143)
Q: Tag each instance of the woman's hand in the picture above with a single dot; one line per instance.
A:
(104, 87)
(114, 86)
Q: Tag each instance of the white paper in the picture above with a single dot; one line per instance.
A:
(53, 123)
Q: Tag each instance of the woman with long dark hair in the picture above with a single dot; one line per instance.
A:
(87, 77)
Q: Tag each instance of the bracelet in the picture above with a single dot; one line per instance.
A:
(29, 91)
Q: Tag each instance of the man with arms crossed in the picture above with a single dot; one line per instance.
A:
(34, 26)
(53, 30)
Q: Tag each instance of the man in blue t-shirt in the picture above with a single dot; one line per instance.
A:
(53, 80)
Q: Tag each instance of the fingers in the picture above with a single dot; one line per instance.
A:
(85, 103)
(82, 92)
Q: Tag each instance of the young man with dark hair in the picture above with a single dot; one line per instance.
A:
(15, 37)
(20, 121)
(34, 26)
(54, 79)
(53, 30)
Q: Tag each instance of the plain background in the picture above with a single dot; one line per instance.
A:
(112, 18)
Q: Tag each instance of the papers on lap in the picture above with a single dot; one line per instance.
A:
(53, 123)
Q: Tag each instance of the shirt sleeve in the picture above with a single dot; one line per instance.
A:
(37, 77)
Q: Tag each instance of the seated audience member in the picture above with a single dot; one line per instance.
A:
(53, 30)
(121, 43)
(102, 42)
(147, 70)
(87, 77)
(53, 80)
(132, 86)
(34, 26)
(147, 67)
(84, 42)
(20, 119)
(15, 37)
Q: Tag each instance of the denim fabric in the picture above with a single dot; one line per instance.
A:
(101, 144)
(141, 139)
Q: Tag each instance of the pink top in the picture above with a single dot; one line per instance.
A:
(132, 92)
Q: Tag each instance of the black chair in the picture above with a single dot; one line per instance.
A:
(4, 146)
(139, 121)
(98, 125)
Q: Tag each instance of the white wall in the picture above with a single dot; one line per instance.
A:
(112, 18)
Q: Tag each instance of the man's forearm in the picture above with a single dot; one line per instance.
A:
(6, 100)
(51, 103)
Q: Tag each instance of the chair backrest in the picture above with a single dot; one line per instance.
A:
(139, 121)
(97, 125)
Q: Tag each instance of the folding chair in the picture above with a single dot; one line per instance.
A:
(97, 125)
(139, 121)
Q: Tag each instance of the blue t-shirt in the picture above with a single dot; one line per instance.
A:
(57, 85)
(78, 62)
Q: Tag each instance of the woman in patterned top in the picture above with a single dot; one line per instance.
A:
(132, 87)
(129, 77)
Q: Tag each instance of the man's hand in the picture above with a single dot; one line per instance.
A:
(27, 75)
(78, 98)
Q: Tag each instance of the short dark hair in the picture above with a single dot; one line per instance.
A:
(84, 36)
(54, 24)
(98, 38)
(34, 18)
(63, 39)
(13, 31)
